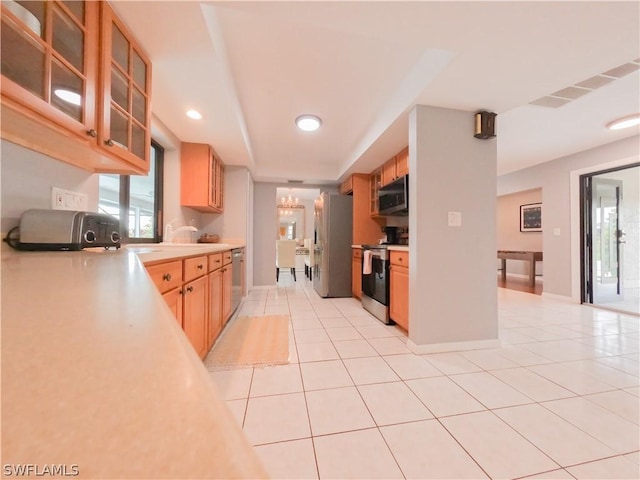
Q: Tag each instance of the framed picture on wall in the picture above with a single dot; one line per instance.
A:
(531, 217)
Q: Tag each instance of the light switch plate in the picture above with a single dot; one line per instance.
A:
(556, 231)
(455, 219)
(62, 199)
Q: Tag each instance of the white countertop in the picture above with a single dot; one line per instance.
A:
(398, 248)
(96, 372)
(149, 252)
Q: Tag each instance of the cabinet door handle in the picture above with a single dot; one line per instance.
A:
(180, 292)
(200, 266)
(189, 289)
(92, 133)
(166, 277)
(109, 142)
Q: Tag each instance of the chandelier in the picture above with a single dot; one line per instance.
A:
(289, 202)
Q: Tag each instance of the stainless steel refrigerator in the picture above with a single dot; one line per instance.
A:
(333, 219)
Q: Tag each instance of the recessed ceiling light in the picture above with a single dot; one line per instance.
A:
(625, 122)
(196, 115)
(68, 96)
(308, 123)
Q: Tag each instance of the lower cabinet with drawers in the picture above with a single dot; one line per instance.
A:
(399, 288)
(194, 303)
(356, 273)
(167, 277)
(215, 323)
(198, 292)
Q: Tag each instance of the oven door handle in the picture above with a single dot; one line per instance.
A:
(380, 275)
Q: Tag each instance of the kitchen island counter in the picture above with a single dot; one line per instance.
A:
(97, 374)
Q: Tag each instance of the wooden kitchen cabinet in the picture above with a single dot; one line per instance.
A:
(167, 275)
(48, 50)
(402, 163)
(395, 167)
(388, 172)
(201, 178)
(375, 182)
(356, 274)
(167, 278)
(184, 286)
(399, 289)
(125, 113)
(173, 299)
(227, 277)
(194, 267)
(56, 91)
(198, 291)
(346, 187)
(215, 306)
(366, 229)
(195, 315)
(215, 297)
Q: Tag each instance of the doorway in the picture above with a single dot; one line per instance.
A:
(610, 242)
(295, 221)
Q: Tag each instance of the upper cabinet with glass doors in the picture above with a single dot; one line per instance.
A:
(48, 61)
(75, 85)
(126, 73)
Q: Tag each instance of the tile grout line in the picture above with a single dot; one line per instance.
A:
(482, 369)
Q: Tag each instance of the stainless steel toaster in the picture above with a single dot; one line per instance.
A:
(66, 230)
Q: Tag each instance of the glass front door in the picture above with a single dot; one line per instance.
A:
(606, 196)
(611, 217)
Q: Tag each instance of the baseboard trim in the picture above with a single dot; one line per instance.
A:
(561, 298)
(453, 346)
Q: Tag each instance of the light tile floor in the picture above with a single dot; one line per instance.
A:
(559, 399)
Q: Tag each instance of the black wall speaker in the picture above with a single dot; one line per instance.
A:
(485, 125)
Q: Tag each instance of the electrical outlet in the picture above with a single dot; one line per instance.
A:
(62, 199)
(454, 219)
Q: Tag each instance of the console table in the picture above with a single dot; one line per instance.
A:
(531, 257)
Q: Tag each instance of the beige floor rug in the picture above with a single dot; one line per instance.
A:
(251, 342)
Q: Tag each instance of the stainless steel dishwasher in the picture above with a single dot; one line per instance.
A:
(237, 273)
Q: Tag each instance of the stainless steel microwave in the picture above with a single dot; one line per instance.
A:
(393, 199)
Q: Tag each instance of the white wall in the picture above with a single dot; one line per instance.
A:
(235, 224)
(232, 224)
(27, 178)
(308, 216)
(562, 252)
(265, 231)
(172, 213)
(452, 276)
(509, 236)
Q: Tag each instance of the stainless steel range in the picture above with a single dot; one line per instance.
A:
(375, 281)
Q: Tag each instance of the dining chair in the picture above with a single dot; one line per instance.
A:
(309, 259)
(286, 257)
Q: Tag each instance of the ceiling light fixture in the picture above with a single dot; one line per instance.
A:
(289, 202)
(624, 122)
(68, 96)
(308, 123)
(196, 115)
